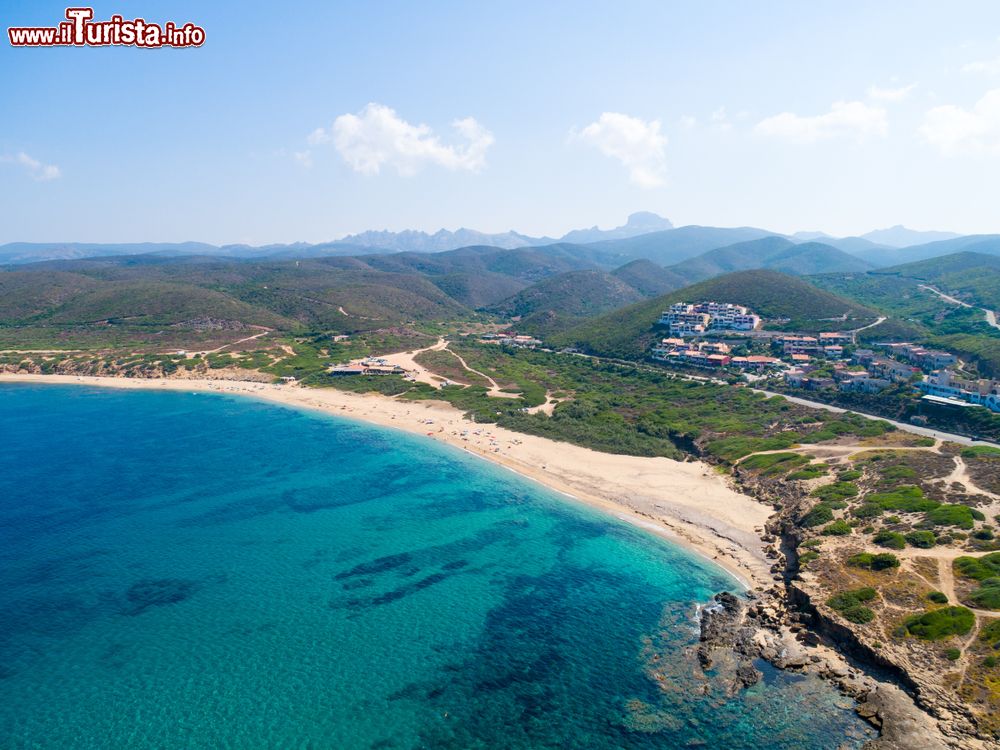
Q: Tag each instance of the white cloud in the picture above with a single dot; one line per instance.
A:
(688, 122)
(720, 120)
(34, 168)
(990, 67)
(956, 131)
(377, 137)
(890, 95)
(845, 119)
(637, 144)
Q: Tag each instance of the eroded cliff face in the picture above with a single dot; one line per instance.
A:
(898, 681)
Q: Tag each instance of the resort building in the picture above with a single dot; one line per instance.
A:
(798, 344)
(928, 359)
(944, 384)
(686, 319)
(367, 367)
(834, 338)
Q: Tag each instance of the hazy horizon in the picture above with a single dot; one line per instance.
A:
(538, 120)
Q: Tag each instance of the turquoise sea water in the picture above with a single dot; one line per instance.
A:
(197, 571)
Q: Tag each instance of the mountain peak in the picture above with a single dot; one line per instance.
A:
(900, 236)
(647, 221)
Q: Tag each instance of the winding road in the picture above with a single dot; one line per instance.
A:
(991, 316)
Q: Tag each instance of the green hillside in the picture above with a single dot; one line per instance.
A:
(675, 245)
(972, 277)
(628, 332)
(648, 278)
(775, 253)
(920, 315)
(562, 301)
(987, 244)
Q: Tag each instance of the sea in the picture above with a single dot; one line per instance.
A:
(182, 570)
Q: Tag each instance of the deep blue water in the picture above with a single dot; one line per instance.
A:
(197, 571)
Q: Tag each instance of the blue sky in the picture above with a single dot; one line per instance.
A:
(343, 116)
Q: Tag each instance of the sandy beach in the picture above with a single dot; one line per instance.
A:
(685, 502)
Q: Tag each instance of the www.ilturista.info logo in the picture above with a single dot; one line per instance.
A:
(80, 30)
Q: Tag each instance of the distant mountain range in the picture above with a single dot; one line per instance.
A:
(644, 236)
(900, 236)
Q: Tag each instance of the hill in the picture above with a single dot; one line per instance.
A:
(561, 301)
(648, 278)
(987, 244)
(900, 236)
(776, 253)
(628, 332)
(973, 277)
(672, 246)
(149, 291)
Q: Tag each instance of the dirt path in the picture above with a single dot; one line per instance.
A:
(407, 360)
(264, 332)
(494, 390)
(961, 475)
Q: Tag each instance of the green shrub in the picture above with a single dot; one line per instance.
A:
(893, 519)
(907, 498)
(977, 514)
(952, 654)
(867, 510)
(951, 515)
(989, 662)
(990, 633)
(849, 604)
(979, 568)
(938, 597)
(847, 598)
(890, 539)
(859, 614)
(810, 543)
(941, 623)
(808, 472)
(987, 596)
(836, 491)
(808, 556)
(849, 475)
(984, 533)
(773, 463)
(895, 474)
(980, 451)
(879, 561)
(885, 561)
(817, 516)
(840, 527)
(861, 560)
(922, 539)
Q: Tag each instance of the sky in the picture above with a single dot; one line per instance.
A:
(339, 117)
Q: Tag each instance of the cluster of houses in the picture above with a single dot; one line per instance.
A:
(707, 354)
(508, 338)
(372, 366)
(943, 386)
(826, 360)
(687, 319)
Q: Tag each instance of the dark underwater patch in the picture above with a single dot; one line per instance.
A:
(378, 565)
(157, 593)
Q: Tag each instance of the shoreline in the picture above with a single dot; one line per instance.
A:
(686, 503)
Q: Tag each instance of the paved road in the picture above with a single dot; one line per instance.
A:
(991, 317)
(925, 431)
